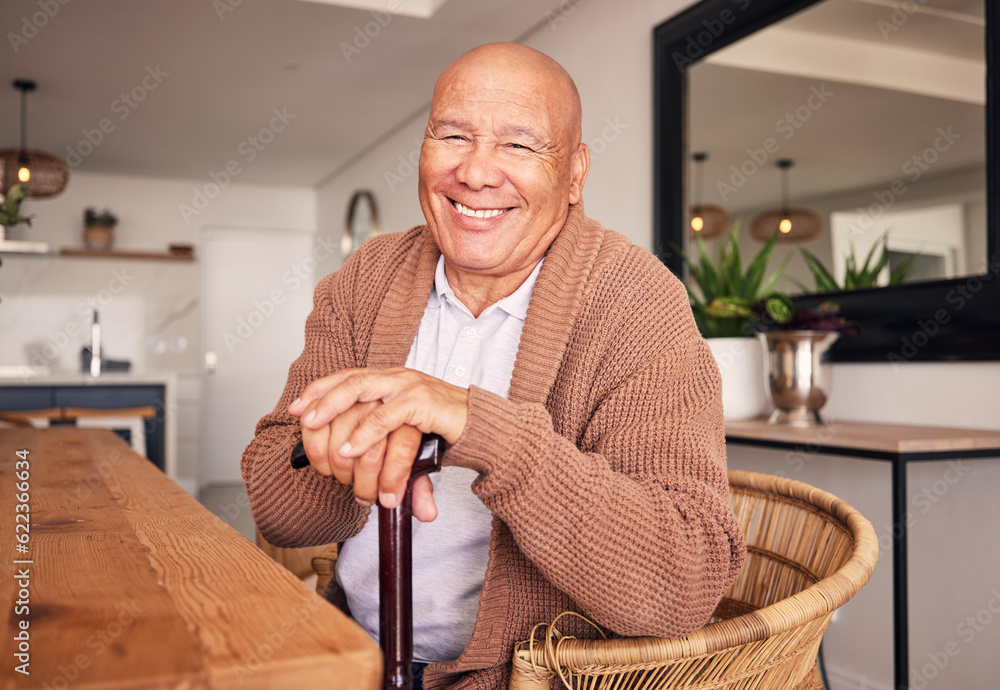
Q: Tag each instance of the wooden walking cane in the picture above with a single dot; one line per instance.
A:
(396, 568)
(395, 579)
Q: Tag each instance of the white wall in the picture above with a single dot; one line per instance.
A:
(955, 548)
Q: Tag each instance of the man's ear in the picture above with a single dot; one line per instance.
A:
(579, 167)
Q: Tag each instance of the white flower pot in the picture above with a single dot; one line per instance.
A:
(741, 363)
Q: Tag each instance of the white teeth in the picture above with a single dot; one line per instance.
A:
(481, 213)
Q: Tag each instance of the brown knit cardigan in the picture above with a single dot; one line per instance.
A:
(605, 468)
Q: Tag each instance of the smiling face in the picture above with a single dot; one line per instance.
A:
(500, 164)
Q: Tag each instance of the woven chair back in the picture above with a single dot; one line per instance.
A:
(808, 553)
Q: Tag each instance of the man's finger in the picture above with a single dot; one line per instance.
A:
(366, 473)
(343, 467)
(316, 443)
(317, 389)
(357, 386)
(424, 507)
(401, 449)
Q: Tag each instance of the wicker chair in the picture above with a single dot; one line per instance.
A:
(808, 554)
(305, 561)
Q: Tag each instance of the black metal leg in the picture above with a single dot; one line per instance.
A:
(900, 611)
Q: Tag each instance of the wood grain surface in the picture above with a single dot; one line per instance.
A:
(133, 584)
(890, 438)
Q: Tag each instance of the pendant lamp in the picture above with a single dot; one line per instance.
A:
(707, 220)
(792, 224)
(43, 173)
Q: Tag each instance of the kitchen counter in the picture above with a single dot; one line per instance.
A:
(110, 390)
(108, 378)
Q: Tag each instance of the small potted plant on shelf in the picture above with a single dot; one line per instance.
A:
(98, 228)
(796, 342)
(10, 209)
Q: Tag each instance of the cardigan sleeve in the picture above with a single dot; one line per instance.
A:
(635, 527)
(302, 507)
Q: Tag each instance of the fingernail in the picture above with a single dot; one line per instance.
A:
(363, 502)
(345, 449)
(309, 417)
(295, 402)
(387, 500)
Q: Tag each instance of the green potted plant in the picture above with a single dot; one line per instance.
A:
(10, 209)
(796, 342)
(857, 275)
(722, 294)
(98, 228)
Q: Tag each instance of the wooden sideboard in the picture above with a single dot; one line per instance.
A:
(898, 444)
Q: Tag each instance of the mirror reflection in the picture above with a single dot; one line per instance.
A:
(859, 126)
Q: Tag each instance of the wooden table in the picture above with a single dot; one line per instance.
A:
(897, 443)
(133, 584)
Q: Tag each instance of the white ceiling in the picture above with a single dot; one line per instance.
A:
(877, 118)
(229, 64)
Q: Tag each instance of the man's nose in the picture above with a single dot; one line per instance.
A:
(479, 167)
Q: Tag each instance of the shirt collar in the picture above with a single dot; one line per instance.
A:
(515, 304)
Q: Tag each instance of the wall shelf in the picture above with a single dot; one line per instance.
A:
(125, 254)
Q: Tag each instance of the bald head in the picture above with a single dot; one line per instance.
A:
(515, 67)
(500, 166)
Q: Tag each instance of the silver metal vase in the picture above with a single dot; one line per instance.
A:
(797, 374)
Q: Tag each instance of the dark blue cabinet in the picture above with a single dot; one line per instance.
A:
(101, 397)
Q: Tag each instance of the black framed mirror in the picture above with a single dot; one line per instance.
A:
(931, 320)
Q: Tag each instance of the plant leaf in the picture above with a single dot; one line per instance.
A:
(767, 286)
(755, 271)
(824, 281)
(899, 274)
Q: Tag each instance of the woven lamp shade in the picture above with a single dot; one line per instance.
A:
(48, 174)
(806, 225)
(715, 218)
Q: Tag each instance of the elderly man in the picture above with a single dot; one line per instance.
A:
(586, 469)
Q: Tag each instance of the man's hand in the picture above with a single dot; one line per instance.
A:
(365, 425)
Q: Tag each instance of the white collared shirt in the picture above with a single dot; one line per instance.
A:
(450, 553)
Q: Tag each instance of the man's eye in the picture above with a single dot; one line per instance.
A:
(455, 137)
(512, 145)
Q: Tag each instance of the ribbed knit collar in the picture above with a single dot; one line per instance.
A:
(555, 304)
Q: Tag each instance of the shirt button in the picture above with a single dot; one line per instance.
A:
(471, 334)
(460, 372)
